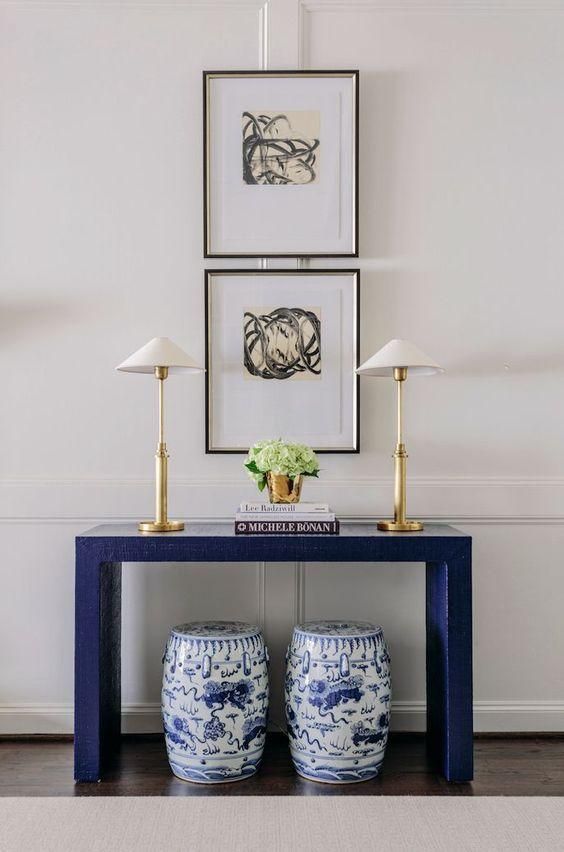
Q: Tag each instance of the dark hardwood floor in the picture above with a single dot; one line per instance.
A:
(505, 766)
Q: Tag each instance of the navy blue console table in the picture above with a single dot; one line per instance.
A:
(447, 553)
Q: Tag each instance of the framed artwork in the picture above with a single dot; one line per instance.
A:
(280, 163)
(281, 351)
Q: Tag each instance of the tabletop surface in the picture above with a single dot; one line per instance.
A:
(224, 529)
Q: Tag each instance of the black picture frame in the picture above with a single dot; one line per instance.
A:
(208, 274)
(207, 212)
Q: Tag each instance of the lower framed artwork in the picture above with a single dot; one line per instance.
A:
(281, 351)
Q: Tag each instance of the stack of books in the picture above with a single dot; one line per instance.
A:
(285, 519)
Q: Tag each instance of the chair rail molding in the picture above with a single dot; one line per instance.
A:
(527, 500)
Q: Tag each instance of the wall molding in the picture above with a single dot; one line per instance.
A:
(281, 30)
(264, 34)
(261, 594)
(299, 592)
(353, 519)
(195, 5)
(390, 6)
(467, 500)
(310, 7)
(433, 6)
(489, 717)
(262, 7)
(236, 481)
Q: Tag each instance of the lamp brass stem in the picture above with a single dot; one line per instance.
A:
(161, 380)
(161, 481)
(161, 522)
(400, 522)
(399, 385)
(400, 471)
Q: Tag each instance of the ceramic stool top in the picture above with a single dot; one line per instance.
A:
(341, 629)
(215, 630)
(323, 638)
(338, 628)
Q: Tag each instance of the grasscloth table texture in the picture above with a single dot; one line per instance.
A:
(446, 552)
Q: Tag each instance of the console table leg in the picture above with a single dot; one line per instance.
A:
(449, 666)
(97, 714)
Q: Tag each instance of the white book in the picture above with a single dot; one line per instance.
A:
(290, 508)
(281, 516)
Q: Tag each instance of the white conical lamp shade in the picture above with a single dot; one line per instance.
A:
(159, 352)
(399, 353)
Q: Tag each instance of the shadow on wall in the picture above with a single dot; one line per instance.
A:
(35, 315)
(25, 318)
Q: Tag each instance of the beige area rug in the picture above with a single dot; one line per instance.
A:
(277, 824)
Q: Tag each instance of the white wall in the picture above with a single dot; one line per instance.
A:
(462, 189)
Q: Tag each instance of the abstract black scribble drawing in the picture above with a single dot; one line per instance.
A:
(282, 343)
(275, 153)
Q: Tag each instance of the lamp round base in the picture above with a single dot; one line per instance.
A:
(407, 526)
(167, 526)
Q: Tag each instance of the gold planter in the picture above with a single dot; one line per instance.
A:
(282, 489)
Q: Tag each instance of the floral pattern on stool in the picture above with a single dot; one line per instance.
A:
(338, 693)
(215, 700)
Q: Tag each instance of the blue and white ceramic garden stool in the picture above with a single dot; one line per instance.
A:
(215, 700)
(338, 691)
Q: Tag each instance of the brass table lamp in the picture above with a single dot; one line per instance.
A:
(397, 358)
(160, 357)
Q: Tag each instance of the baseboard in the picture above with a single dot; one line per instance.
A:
(489, 717)
(59, 718)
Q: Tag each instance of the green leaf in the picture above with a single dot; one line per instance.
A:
(262, 484)
(252, 466)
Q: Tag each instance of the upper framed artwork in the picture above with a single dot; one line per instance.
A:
(281, 354)
(281, 163)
